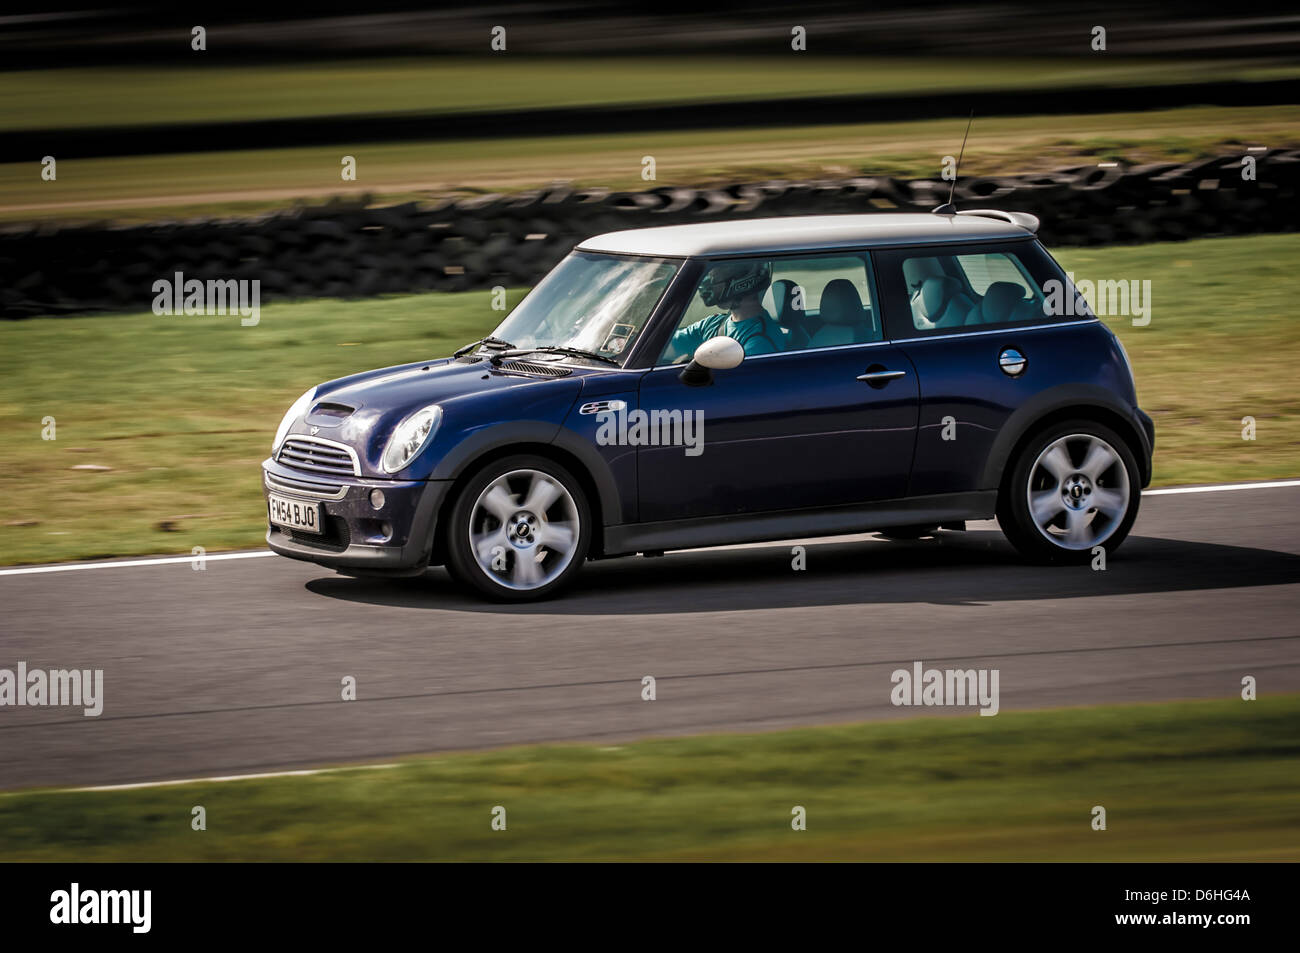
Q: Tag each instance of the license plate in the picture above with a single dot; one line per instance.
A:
(296, 514)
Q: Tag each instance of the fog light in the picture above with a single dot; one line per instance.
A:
(377, 499)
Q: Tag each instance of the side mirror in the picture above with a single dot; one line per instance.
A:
(715, 354)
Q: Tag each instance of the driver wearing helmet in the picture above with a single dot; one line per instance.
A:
(737, 286)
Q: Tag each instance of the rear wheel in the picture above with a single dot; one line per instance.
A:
(1073, 487)
(519, 530)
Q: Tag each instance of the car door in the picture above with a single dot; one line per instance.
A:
(825, 424)
(971, 319)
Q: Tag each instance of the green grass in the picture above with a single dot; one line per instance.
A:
(182, 409)
(1197, 781)
(205, 90)
(144, 188)
(1222, 345)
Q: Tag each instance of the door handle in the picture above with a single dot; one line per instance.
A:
(880, 377)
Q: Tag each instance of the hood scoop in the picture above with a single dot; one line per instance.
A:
(330, 412)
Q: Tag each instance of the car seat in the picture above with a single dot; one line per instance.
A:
(786, 315)
(843, 320)
(944, 303)
(1003, 303)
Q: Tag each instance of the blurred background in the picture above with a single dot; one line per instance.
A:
(581, 93)
(1171, 154)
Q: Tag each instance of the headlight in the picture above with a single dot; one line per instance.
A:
(300, 407)
(410, 437)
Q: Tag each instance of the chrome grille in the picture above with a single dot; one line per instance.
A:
(306, 486)
(314, 455)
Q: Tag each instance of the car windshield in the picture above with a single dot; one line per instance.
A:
(590, 302)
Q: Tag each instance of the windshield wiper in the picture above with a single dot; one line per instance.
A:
(553, 349)
(479, 343)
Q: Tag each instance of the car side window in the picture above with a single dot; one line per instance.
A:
(779, 305)
(947, 292)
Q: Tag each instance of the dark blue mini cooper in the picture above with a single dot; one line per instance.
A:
(698, 385)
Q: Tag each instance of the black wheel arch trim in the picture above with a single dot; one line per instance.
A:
(1081, 399)
(465, 455)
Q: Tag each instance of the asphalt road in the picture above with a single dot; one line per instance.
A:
(237, 668)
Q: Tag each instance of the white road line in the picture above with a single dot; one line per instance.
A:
(163, 560)
(122, 563)
(230, 777)
(1214, 488)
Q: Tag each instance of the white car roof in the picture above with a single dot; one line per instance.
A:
(811, 233)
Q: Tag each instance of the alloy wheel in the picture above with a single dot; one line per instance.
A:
(1078, 491)
(523, 529)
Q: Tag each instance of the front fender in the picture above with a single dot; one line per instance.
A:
(462, 458)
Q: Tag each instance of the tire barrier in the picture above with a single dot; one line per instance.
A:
(347, 248)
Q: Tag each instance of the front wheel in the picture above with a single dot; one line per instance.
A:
(519, 529)
(1074, 487)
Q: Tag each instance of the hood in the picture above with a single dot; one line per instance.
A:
(362, 410)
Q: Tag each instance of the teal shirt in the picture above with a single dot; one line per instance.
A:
(758, 335)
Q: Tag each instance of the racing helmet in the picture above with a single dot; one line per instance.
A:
(727, 283)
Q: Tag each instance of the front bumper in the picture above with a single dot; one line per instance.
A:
(396, 539)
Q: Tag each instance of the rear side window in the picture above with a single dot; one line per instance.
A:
(960, 288)
(983, 270)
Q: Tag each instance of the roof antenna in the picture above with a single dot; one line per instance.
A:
(948, 208)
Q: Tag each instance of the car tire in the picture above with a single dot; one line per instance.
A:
(1072, 487)
(519, 529)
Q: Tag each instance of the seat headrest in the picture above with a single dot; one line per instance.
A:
(782, 292)
(1000, 300)
(936, 293)
(841, 303)
(916, 270)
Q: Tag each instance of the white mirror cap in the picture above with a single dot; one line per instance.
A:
(719, 354)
